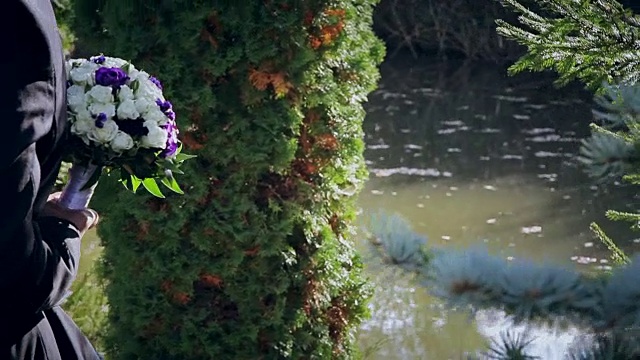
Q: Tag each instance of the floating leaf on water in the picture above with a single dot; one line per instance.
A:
(535, 106)
(512, 157)
(446, 131)
(545, 138)
(536, 131)
(377, 147)
(490, 131)
(531, 229)
(413, 147)
(546, 154)
(408, 171)
(510, 98)
(458, 123)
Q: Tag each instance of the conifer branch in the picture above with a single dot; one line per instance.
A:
(528, 292)
(593, 41)
(617, 255)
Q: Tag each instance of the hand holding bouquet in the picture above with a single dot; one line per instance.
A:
(119, 120)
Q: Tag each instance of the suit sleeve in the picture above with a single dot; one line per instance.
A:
(38, 259)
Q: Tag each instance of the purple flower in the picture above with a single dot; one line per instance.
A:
(156, 82)
(98, 59)
(100, 120)
(170, 150)
(164, 105)
(167, 108)
(172, 141)
(114, 76)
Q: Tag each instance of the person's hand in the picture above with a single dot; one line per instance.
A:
(83, 220)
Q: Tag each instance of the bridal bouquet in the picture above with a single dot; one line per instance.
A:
(119, 120)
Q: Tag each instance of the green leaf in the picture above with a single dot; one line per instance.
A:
(152, 187)
(171, 183)
(135, 183)
(126, 182)
(182, 157)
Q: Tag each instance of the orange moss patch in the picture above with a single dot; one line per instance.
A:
(261, 80)
(210, 280)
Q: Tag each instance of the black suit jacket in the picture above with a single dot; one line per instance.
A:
(38, 256)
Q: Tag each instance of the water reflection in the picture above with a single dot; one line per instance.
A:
(470, 156)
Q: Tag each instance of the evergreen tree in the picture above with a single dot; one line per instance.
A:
(597, 42)
(255, 261)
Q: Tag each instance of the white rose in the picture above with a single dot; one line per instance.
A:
(133, 72)
(105, 134)
(157, 136)
(148, 90)
(85, 114)
(107, 109)
(145, 105)
(122, 141)
(83, 124)
(84, 73)
(113, 62)
(127, 110)
(76, 97)
(70, 64)
(77, 62)
(156, 115)
(101, 94)
(125, 93)
(142, 76)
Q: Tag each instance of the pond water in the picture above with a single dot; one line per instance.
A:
(472, 156)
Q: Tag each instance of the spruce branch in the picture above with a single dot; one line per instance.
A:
(383, 232)
(593, 41)
(605, 154)
(617, 255)
(510, 347)
(528, 292)
(608, 346)
(613, 149)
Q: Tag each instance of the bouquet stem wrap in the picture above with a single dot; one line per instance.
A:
(73, 196)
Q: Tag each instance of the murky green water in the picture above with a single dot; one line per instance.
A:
(472, 156)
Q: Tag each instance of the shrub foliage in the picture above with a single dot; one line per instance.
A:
(256, 260)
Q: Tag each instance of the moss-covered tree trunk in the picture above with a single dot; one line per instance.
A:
(256, 260)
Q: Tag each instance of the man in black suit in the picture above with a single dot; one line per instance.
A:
(39, 240)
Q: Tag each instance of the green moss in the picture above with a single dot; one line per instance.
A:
(256, 260)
